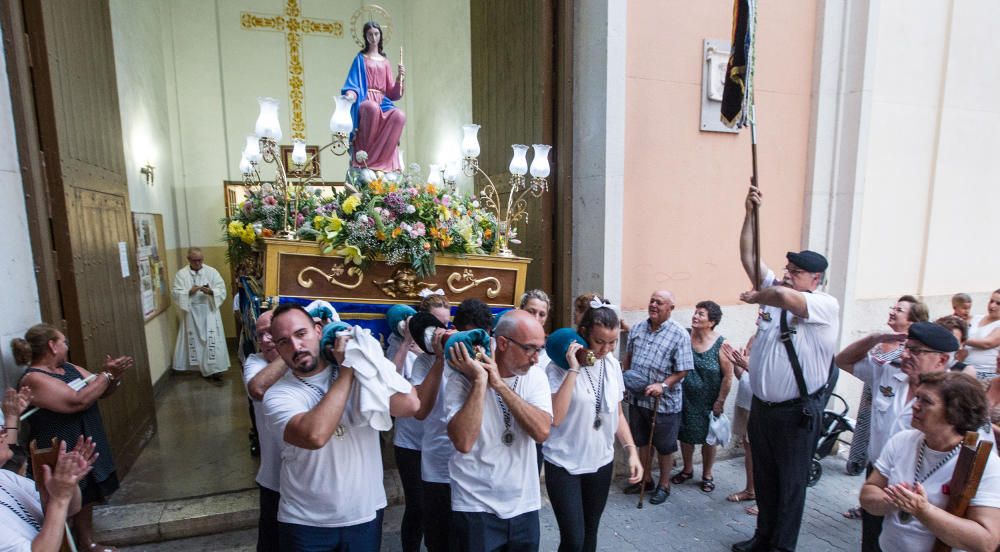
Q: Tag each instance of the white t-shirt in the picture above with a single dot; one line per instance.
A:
(409, 430)
(269, 474)
(436, 447)
(815, 340)
(495, 478)
(983, 360)
(898, 464)
(337, 485)
(891, 410)
(575, 445)
(15, 533)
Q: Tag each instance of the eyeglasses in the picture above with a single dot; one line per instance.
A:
(528, 349)
(795, 271)
(917, 351)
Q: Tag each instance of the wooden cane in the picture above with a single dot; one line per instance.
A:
(649, 452)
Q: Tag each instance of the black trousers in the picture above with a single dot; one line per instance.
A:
(267, 527)
(482, 532)
(437, 516)
(871, 525)
(411, 530)
(578, 502)
(783, 447)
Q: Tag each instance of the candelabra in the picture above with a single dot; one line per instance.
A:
(262, 148)
(520, 188)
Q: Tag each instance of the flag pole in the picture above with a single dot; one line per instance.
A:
(756, 208)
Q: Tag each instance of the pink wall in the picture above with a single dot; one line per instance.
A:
(684, 188)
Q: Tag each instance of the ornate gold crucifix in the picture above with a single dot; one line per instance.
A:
(294, 26)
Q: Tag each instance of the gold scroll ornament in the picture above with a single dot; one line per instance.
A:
(331, 277)
(468, 276)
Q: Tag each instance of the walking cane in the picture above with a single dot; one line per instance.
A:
(649, 453)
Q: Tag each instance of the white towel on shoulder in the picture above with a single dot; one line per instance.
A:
(377, 377)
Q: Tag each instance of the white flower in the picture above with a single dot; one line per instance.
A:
(361, 156)
(410, 209)
(475, 204)
(363, 219)
(368, 176)
(415, 168)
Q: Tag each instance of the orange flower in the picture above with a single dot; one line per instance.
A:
(267, 232)
(431, 189)
(434, 232)
(393, 187)
(446, 240)
(380, 235)
(396, 232)
(427, 246)
(488, 233)
(376, 187)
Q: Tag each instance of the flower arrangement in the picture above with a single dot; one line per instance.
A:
(393, 219)
(376, 216)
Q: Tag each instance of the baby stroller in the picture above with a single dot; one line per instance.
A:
(834, 423)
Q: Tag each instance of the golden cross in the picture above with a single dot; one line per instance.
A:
(294, 26)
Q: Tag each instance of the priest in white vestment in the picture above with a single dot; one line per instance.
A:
(198, 292)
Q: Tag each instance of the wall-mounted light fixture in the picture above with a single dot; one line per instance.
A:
(147, 171)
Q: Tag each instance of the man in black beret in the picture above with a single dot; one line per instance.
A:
(791, 377)
(929, 348)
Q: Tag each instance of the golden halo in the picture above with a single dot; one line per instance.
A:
(371, 12)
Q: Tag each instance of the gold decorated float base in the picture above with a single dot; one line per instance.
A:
(300, 269)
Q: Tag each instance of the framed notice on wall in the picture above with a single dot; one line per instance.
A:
(151, 256)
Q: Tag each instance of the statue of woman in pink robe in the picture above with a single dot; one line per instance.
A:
(378, 124)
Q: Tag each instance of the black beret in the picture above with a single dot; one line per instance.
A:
(810, 261)
(418, 324)
(934, 336)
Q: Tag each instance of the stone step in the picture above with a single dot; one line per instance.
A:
(131, 524)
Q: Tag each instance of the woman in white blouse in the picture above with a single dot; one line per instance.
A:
(587, 417)
(910, 483)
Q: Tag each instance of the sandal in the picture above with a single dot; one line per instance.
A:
(751, 510)
(853, 513)
(681, 477)
(707, 484)
(741, 496)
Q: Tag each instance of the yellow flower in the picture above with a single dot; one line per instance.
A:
(317, 221)
(334, 224)
(351, 204)
(248, 236)
(235, 229)
(446, 240)
(445, 213)
(380, 235)
(376, 187)
(351, 254)
(431, 189)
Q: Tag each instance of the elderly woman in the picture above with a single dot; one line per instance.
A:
(586, 419)
(24, 525)
(67, 396)
(984, 339)
(910, 483)
(705, 390)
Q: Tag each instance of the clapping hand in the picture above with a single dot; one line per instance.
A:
(738, 358)
(117, 366)
(15, 402)
(908, 498)
(60, 483)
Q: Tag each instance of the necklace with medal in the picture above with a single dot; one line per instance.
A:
(20, 511)
(598, 393)
(507, 438)
(334, 372)
(907, 517)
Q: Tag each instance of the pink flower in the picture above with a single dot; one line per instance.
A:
(247, 207)
(300, 219)
(269, 200)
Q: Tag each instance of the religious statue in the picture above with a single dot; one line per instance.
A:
(378, 123)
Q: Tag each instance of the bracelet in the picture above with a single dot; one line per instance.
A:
(108, 375)
(574, 370)
(628, 445)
